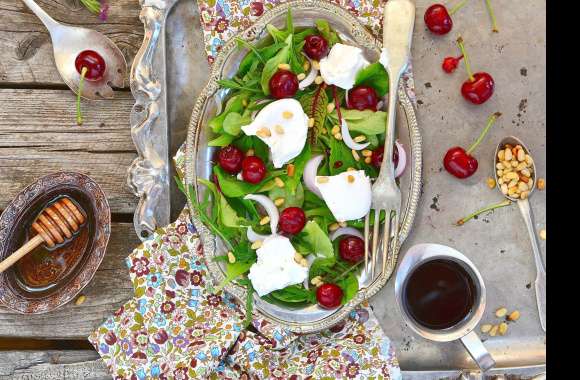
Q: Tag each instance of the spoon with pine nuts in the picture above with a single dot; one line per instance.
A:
(515, 175)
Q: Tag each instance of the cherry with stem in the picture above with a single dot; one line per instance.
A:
(438, 19)
(478, 87)
(459, 162)
(462, 221)
(494, 28)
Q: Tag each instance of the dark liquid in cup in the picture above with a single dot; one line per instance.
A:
(439, 294)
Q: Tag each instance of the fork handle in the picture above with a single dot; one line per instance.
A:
(387, 166)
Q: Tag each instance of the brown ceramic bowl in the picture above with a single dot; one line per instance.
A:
(46, 279)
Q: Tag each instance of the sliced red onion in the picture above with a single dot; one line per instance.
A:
(253, 116)
(348, 140)
(239, 176)
(346, 96)
(346, 231)
(270, 208)
(402, 160)
(253, 236)
(310, 77)
(310, 170)
(310, 258)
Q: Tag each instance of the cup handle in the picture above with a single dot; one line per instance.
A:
(478, 351)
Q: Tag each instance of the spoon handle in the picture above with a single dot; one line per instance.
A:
(540, 284)
(48, 21)
(22, 251)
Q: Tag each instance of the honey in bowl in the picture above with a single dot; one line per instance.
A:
(45, 266)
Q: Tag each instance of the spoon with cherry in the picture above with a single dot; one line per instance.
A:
(80, 50)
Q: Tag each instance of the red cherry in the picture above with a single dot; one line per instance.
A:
(450, 64)
(352, 249)
(478, 90)
(315, 47)
(94, 63)
(459, 163)
(253, 169)
(362, 98)
(283, 84)
(438, 19)
(292, 220)
(230, 159)
(329, 296)
(378, 153)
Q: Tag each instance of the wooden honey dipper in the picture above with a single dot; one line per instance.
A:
(54, 225)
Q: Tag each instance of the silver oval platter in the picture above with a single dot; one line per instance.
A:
(199, 157)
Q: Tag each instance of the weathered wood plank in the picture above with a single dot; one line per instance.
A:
(25, 47)
(46, 365)
(108, 290)
(39, 135)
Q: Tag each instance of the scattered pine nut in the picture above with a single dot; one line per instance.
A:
(490, 183)
(543, 234)
(244, 102)
(301, 76)
(322, 179)
(306, 66)
(265, 220)
(231, 257)
(330, 107)
(316, 65)
(504, 189)
(335, 130)
(338, 136)
(541, 184)
(310, 123)
(368, 160)
(499, 166)
(350, 179)
(333, 227)
(284, 66)
(493, 331)
(318, 80)
(367, 153)
(360, 138)
(291, 168)
(513, 316)
(257, 244)
(279, 129)
(304, 263)
(501, 312)
(279, 182)
(250, 152)
(521, 155)
(342, 224)
(279, 201)
(355, 155)
(298, 257)
(524, 194)
(508, 154)
(503, 327)
(529, 159)
(263, 132)
(80, 300)
(485, 328)
(501, 155)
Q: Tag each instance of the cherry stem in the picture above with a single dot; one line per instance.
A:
(492, 15)
(343, 274)
(461, 222)
(466, 59)
(490, 121)
(81, 82)
(457, 7)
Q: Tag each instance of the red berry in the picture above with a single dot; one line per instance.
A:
(253, 169)
(94, 63)
(230, 159)
(459, 163)
(362, 98)
(450, 64)
(292, 220)
(315, 47)
(478, 90)
(352, 249)
(329, 296)
(438, 19)
(378, 153)
(283, 84)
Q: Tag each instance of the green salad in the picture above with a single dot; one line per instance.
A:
(299, 140)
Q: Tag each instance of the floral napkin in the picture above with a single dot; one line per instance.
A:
(176, 327)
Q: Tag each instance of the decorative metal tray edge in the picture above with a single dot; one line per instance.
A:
(364, 38)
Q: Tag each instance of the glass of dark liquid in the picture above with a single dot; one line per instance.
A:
(441, 296)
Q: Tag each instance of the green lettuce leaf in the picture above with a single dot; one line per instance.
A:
(290, 200)
(234, 122)
(374, 76)
(318, 240)
(367, 121)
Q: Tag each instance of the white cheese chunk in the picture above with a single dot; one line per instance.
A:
(275, 268)
(347, 195)
(341, 65)
(283, 126)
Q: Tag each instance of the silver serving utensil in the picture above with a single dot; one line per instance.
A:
(69, 41)
(399, 20)
(524, 206)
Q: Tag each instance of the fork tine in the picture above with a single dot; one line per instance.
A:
(376, 227)
(386, 240)
(367, 223)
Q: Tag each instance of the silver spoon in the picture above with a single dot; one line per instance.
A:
(524, 205)
(69, 41)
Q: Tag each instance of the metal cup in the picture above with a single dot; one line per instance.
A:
(422, 253)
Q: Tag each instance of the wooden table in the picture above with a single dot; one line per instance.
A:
(39, 135)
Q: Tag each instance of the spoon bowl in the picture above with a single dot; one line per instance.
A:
(69, 41)
(512, 140)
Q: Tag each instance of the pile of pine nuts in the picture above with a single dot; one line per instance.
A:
(515, 171)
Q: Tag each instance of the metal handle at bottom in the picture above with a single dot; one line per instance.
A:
(478, 352)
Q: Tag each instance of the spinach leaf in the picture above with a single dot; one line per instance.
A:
(294, 294)
(234, 104)
(349, 286)
(234, 122)
(244, 253)
(324, 29)
(299, 164)
(233, 271)
(221, 140)
(321, 267)
(228, 216)
(374, 76)
(290, 200)
(231, 186)
(300, 36)
(272, 65)
(228, 83)
(367, 121)
(243, 43)
(296, 59)
(317, 239)
(339, 152)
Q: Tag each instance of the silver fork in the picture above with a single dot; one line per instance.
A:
(399, 18)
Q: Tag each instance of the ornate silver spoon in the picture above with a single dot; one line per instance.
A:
(69, 41)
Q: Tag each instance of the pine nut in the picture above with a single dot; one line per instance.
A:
(500, 181)
(335, 130)
(490, 183)
(298, 257)
(493, 331)
(306, 66)
(501, 155)
(516, 195)
(318, 80)
(521, 155)
(526, 172)
(279, 182)
(508, 154)
(257, 244)
(279, 129)
(301, 76)
(355, 155)
(521, 166)
(284, 66)
(360, 138)
(368, 160)
(291, 169)
(350, 179)
(543, 234)
(367, 153)
(231, 257)
(333, 227)
(504, 189)
(322, 179)
(279, 201)
(499, 166)
(512, 175)
(330, 107)
(338, 136)
(499, 173)
(287, 115)
(514, 164)
(265, 220)
(524, 194)
(310, 123)
(263, 132)
(541, 184)
(82, 298)
(304, 263)
(501, 312)
(316, 65)
(503, 327)
(244, 102)
(250, 152)
(530, 185)
(507, 170)
(529, 159)
(522, 186)
(485, 328)
(514, 316)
